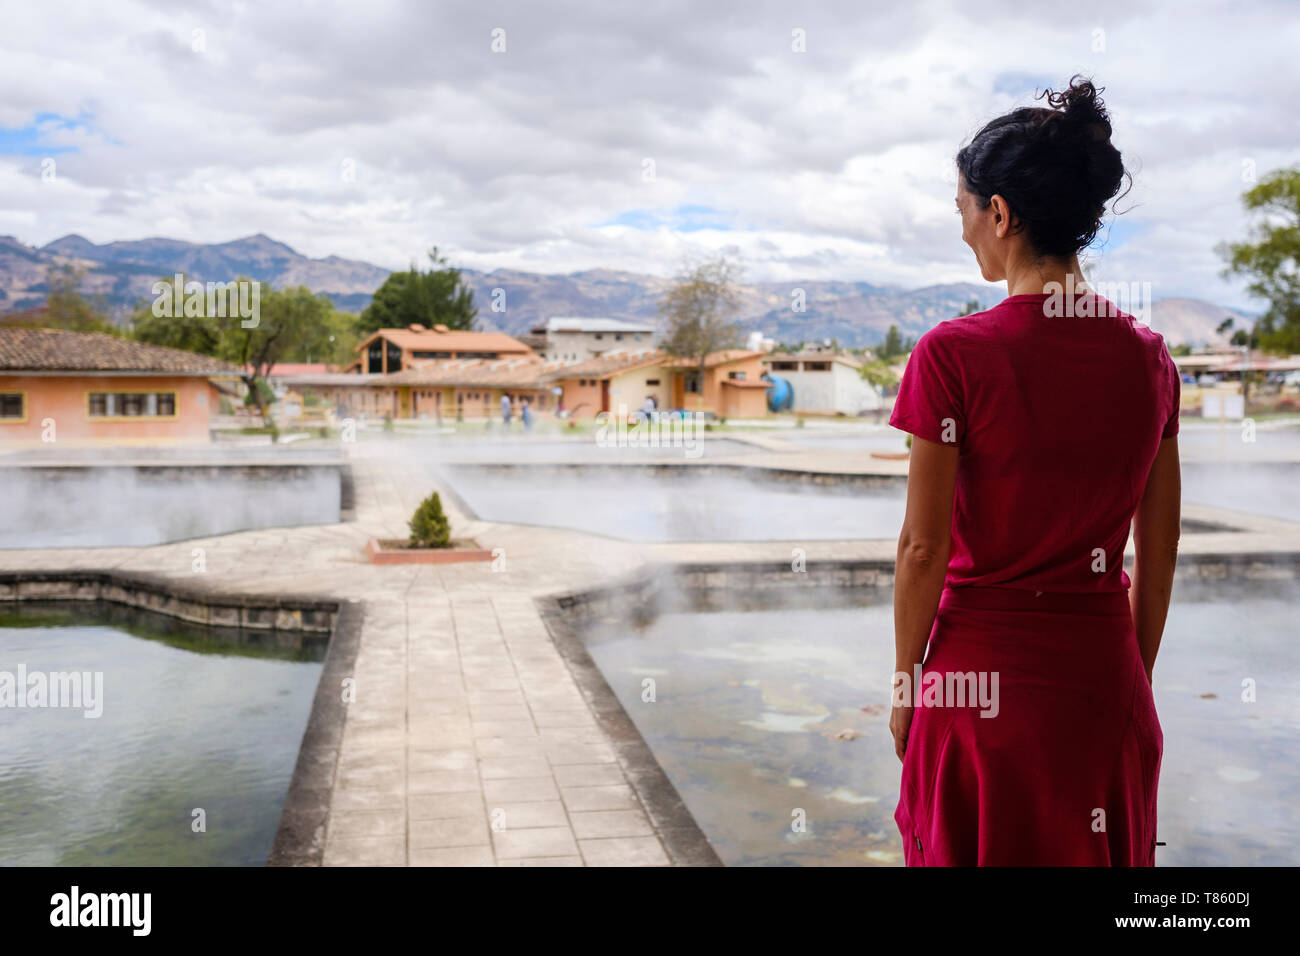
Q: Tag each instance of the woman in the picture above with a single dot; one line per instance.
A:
(1042, 429)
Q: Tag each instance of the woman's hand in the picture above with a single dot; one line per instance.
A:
(900, 722)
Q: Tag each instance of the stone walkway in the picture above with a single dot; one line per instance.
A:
(469, 742)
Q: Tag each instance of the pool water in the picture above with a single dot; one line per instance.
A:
(191, 719)
(763, 718)
(641, 507)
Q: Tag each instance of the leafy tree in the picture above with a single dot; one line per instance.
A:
(879, 373)
(1272, 259)
(435, 297)
(700, 310)
(192, 333)
(970, 308)
(290, 322)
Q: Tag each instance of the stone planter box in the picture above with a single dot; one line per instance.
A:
(398, 551)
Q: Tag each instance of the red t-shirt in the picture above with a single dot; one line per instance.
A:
(1058, 420)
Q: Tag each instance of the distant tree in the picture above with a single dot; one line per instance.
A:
(291, 323)
(879, 373)
(192, 333)
(700, 311)
(970, 308)
(65, 305)
(435, 297)
(1272, 259)
(894, 345)
(292, 320)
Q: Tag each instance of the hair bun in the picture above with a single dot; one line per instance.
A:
(1080, 104)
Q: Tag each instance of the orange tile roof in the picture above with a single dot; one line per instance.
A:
(452, 341)
(606, 365)
(508, 372)
(723, 357)
(61, 350)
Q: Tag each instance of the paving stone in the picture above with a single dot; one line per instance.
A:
(452, 856)
(431, 806)
(610, 823)
(624, 851)
(449, 831)
(541, 841)
(367, 851)
(618, 797)
(521, 790)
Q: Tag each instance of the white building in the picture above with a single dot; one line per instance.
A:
(570, 340)
(824, 381)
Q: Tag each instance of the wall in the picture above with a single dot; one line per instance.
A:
(840, 390)
(583, 401)
(63, 399)
(574, 347)
(631, 387)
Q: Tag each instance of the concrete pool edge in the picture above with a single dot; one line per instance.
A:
(690, 469)
(672, 821)
(193, 603)
(304, 816)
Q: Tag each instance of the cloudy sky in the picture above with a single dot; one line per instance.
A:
(555, 136)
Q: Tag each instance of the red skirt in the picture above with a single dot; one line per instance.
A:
(1063, 771)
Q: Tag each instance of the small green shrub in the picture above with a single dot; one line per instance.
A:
(388, 422)
(909, 442)
(429, 526)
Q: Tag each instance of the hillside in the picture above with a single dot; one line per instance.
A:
(119, 274)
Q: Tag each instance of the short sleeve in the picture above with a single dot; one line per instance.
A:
(930, 402)
(1175, 393)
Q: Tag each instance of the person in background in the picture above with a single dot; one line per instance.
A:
(526, 414)
(505, 409)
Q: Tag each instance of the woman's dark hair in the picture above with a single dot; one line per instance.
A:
(1056, 168)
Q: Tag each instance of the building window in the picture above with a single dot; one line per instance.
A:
(816, 366)
(736, 376)
(599, 336)
(618, 337)
(375, 357)
(430, 355)
(394, 358)
(651, 382)
(785, 366)
(131, 404)
(13, 405)
(692, 382)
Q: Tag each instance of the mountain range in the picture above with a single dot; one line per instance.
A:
(119, 275)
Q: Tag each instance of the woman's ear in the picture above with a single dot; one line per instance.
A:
(1001, 216)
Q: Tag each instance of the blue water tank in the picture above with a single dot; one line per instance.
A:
(780, 394)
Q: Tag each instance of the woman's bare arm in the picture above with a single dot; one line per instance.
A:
(1156, 526)
(923, 546)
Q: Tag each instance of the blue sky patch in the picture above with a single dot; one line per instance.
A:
(680, 219)
(30, 140)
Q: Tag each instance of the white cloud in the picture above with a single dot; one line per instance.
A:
(216, 120)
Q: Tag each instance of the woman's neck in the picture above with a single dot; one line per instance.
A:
(1044, 276)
